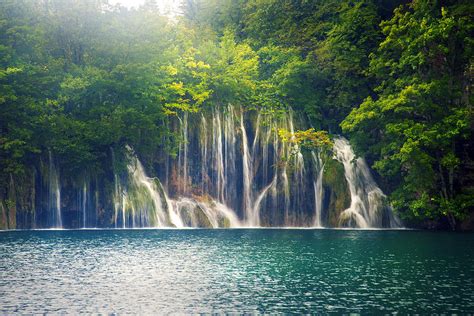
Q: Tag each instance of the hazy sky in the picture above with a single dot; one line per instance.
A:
(165, 5)
(128, 3)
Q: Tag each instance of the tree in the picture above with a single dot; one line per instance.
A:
(416, 124)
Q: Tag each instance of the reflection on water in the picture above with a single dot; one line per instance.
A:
(184, 271)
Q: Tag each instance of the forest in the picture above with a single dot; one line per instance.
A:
(84, 81)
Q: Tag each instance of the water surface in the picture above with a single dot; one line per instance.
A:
(243, 270)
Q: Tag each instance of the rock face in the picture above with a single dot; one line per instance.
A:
(337, 197)
(231, 170)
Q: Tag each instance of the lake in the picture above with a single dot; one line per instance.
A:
(236, 270)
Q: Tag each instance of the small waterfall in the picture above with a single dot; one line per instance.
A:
(183, 154)
(124, 205)
(286, 192)
(204, 162)
(229, 154)
(145, 198)
(298, 174)
(247, 172)
(174, 215)
(117, 197)
(54, 201)
(274, 190)
(260, 151)
(254, 219)
(84, 204)
(367, 200)
(117, 200)
(318, 189)
(265, 147)
(213, 214)
(185, 149)
(225, 213)
(217, 150)
(251, 206)
(96, 198)
(145, 203)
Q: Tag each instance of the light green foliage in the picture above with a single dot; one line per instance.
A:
(234, 69)
(308, 139)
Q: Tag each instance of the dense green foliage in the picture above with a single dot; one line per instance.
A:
(81, 78)
(418, 125)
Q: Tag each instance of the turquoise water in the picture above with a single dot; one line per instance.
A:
(244, 270)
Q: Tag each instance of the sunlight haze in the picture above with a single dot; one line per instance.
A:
(164, 5)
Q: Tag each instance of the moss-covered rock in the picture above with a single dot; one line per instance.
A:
(336, 192)
(225, 223)
(194, 216)
(201, 218)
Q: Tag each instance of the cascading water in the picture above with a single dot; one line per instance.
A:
(117, 195)
(232, 169)
(84, 205)
(367, 207)
(229, 143)
(143, 202)
(87, 203)
(217, 151)
(139, 200)
(183, 154)
(228, 186)
(247, 172)
(318, 189)
(54, 201)
(204, 163)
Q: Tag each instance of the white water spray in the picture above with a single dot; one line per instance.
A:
(367, 200)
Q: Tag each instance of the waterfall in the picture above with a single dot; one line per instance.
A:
(262, 149)
(254, 219)
(183, 153)
(54, 201)
(117, 195)
(251, 207)
(299, 170)
(145, 203)
(124, 204)
(117, 199)
(204, 170)
(232, 169)
(192, 213)
(218, 155)
(367, 200)
(246, 174)
(96, 197)
(84, 205)
(286, 192)
(274, 191)
(145, 198)
(318, 189)
(229, 154)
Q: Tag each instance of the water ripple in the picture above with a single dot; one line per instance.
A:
(219, 271)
